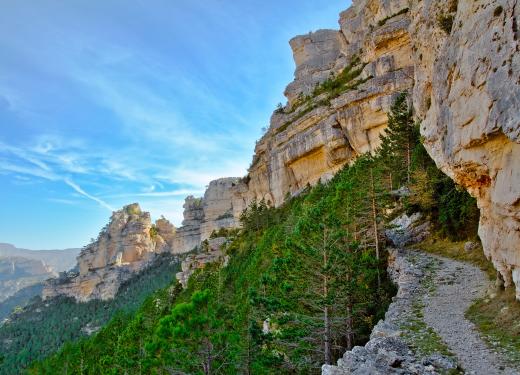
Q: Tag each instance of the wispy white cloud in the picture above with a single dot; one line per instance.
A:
(78, 189)
(6, 166)
(33, 164)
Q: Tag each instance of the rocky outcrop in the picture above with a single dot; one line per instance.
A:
(125, 246)
(221, 206)
(467, 93)
(406, 230)
(461, 62)
(212, 252)
(325, 126)
(188, 236)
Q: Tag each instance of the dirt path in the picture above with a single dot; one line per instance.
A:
(457, 285)
(425, 331)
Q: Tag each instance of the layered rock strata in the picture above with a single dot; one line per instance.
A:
(325, 126)
(125, 246)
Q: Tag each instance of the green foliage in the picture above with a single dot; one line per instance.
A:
(445, 22)
(331, 88)
(406, 163)
(294, 272)
(305, 281)
(44, 326)
(453, 211)
(193, 339)
(398, 142)
(384, 20)
(227, 215)
(153, 231)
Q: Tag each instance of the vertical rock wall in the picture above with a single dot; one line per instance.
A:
(467, 92)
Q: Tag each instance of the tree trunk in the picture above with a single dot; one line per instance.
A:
(350, 326)
(408, 160)
(374, 221)
(326, 317)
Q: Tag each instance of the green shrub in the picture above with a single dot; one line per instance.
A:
(445, 22)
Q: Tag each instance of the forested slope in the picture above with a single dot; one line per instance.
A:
(304, 282)
(42, 327)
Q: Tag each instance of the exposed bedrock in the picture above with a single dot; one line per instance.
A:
(467, 91)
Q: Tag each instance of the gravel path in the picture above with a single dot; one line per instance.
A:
(425, 331)
(457, 286)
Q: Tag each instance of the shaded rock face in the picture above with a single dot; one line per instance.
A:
(188, 236)
(125, 246)
(406, 230)
(467, 92)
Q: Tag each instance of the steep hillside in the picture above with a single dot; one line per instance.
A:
(301, 284)
(41, 328)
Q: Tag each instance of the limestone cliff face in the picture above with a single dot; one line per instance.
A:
(220, 207)
(467, 92)
(124, 246)
(321, 129)
(460, 62)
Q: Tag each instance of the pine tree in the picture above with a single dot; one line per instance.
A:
(192, 338)
(399, 140)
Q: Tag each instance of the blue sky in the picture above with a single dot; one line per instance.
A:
(105, 103)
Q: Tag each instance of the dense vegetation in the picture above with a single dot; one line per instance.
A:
(42, 327)
(305, 281)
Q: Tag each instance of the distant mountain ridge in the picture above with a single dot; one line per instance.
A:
(58, 260)
(23, 268)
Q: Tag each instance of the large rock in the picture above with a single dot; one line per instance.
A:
(125, 246)
(314, 136)
(467, 92)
